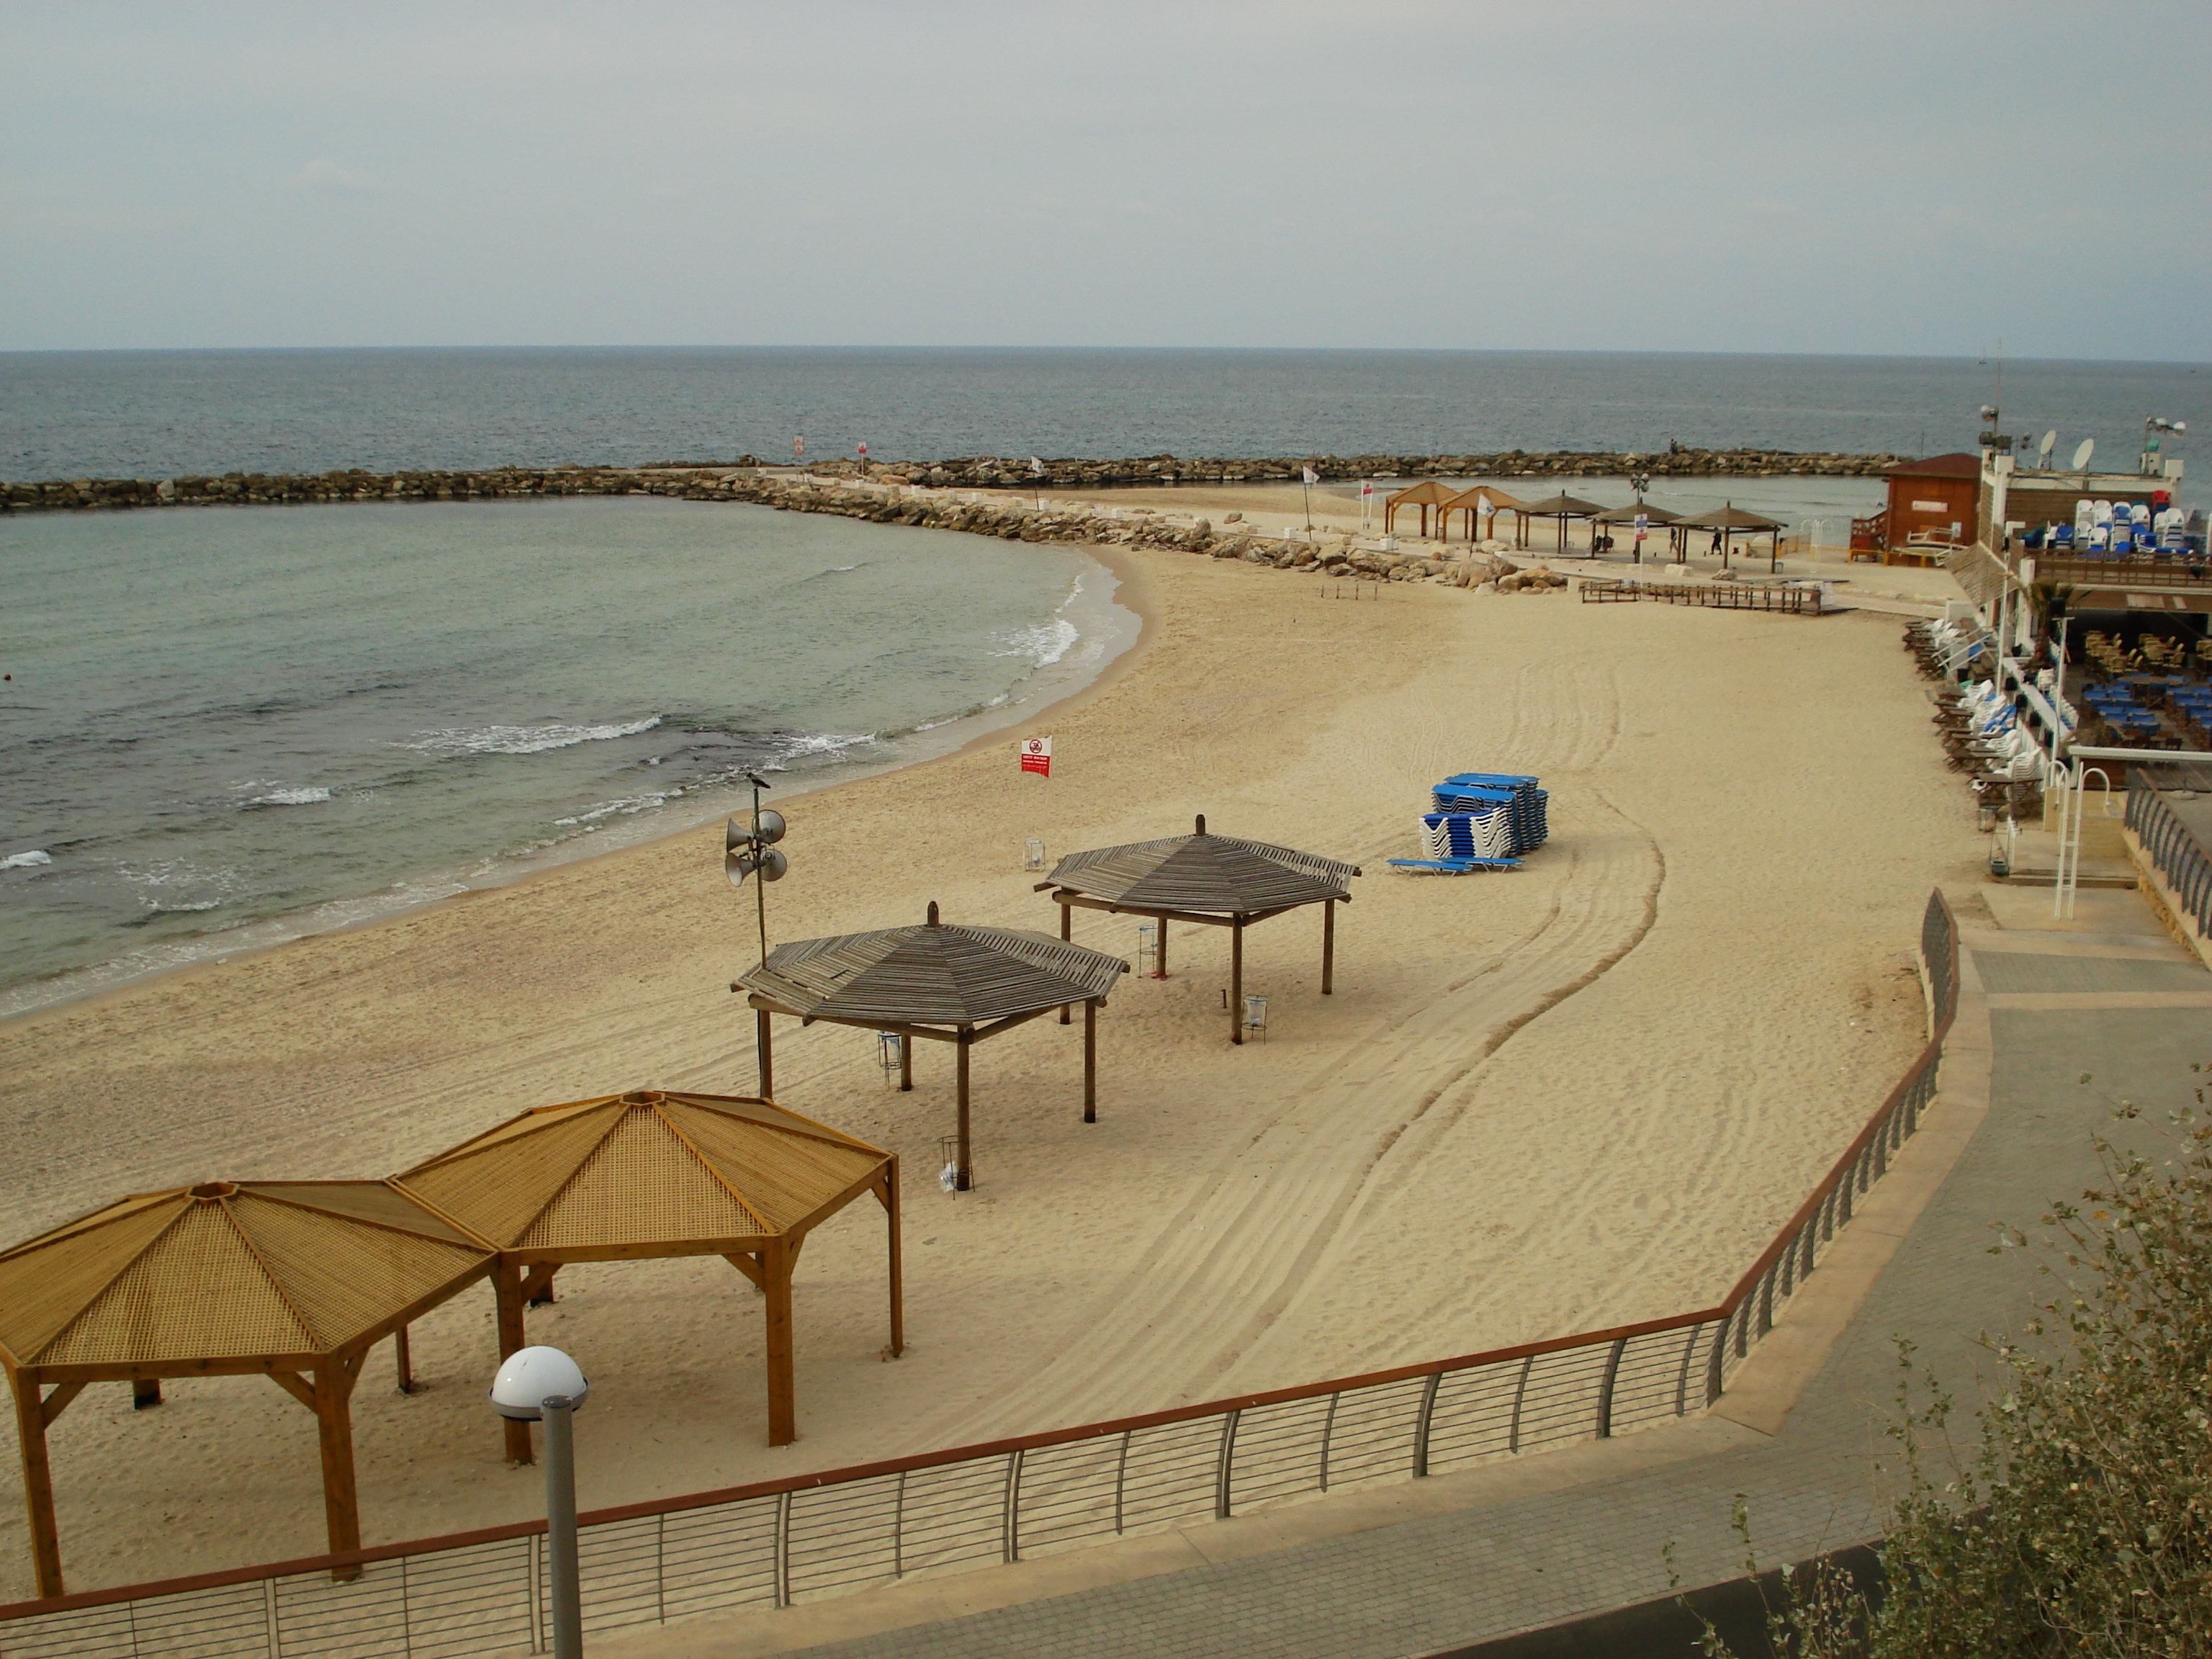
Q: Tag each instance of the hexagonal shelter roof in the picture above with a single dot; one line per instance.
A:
(1200, 871)
(936, 974)
(648, 1172)
(228, 1272)
(1729, 518)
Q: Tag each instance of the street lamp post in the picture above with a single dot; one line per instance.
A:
(544, 1385)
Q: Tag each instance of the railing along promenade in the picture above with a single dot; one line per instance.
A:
(2171, 845)
(776, 1542)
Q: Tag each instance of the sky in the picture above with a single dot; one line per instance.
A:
(1921, 179)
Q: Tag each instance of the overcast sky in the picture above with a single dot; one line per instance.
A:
(1921, 179)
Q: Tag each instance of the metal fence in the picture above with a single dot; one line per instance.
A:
(2170, 845)
(778, 1542)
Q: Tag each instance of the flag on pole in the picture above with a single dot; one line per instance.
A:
(1037, 467)
(1312, 476)
(1036, 755)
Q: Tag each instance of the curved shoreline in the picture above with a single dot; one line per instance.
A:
(981, 729)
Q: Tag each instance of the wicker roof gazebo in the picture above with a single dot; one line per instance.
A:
(939, 981)
(1562, 506)
(294, 1280)
(653, 1174)
(1482, 499)
(1728, 522)
(1424, 495)
(1219, 881)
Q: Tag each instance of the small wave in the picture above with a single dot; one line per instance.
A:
(290, 798)
(29, 860)
(840, 569)
(819, 743)
(521, 739)
(153, 913)
(1044, 644)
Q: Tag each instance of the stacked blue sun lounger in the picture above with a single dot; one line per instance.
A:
(1481, 821)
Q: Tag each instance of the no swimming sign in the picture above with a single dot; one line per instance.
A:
(1036, 755)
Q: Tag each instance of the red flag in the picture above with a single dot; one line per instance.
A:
(1036, 755)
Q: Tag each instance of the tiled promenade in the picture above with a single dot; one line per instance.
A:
(1438, 1565)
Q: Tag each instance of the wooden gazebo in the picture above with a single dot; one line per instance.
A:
(1728, 522)
(1424, 495)
(939, 981)
(292, 1280)
(1562, 506)
(1474, 502)
(1658, 518)
(649, 1174)
(1218, 881)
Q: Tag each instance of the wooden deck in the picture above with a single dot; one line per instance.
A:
(1715, 596)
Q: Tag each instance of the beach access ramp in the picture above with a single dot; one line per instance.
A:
(1797, 600)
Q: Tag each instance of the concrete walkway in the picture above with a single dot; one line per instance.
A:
(1441, 1563)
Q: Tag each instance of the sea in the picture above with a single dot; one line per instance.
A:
(226, 727)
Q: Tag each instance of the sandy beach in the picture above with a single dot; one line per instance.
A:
(1577, 1094)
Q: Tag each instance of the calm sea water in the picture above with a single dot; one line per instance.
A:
(67, 415)
(227, 727)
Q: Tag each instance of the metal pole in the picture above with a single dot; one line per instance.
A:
(560, 1528)
(760, 880)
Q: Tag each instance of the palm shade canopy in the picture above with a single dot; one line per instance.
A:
(937, 981)
(296, 1280)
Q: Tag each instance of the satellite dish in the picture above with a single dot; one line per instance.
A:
(2082, 451)
(2043, 449)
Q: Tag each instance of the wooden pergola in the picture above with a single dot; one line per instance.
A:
(1424, 495)
(939, 981)
(1729, 521)
(1657, 517)
(650, 1175)
(291, 1281)
(1474, 502)
(1216, 881)
(1562, 506)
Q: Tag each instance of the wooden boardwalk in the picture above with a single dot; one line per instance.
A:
(1717, 596)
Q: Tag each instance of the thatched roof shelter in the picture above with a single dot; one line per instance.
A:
(1218, 881)
(1728, 522)
(1655, 517)
(1562, 506)
(295, 1280)
(940, 982)
(1484, 500)
(1424, 495)
(654, 1174)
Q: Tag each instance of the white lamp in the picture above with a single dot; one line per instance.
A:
(535, 1385)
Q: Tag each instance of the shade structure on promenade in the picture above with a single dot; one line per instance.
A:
(653, 1174)
(1729, 521)
(1656, 517)
(1562, 506)
(1218, 881)
(1423, 495)
(939, 982)
(1484, 500)
(293, 1281)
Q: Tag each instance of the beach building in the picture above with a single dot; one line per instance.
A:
(1933, 504)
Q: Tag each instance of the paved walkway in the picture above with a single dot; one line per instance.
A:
(1441, 1563)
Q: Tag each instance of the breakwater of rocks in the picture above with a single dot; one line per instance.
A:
(972, 473)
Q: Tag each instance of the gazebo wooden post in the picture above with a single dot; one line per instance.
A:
(962, 1179)
(906, 1062)
(1067, 936)
(1159, 947)
(31, 1420)
(782, 1409)
(1090, 1060)
(1236, 978)
(145, 1392)
(507, 1305)
(1327, 946)
(764, 1053)
(403, 1358)
(889, 1192)
(334, 1380)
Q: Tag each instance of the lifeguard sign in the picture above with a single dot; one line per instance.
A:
(1036, 755)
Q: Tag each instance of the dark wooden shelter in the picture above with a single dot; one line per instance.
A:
(654, 1174)
(1470, 501)
(293, 1281)
(939, 982)
(1218, 881)
(1562, 506)
(1729, 521)
(1424, 495)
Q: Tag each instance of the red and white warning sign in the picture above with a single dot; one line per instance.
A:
(1036, 755)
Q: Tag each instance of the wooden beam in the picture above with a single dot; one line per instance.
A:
(507, 1319)
(1198, 918)
(334, 1419)
(402, 1360)
(1327, 946)
(782, 1409)
(1237, 982)
(889, 1193)
(145, 1392)
(1067, 937)
(1012, 1020)
(31, 1421)
(1090, 1061)
(537, 1284)
(58, 1402)
(297, 1386)
(963, 1179)
(763, 1053)
(748, 1266)
(906, 1064)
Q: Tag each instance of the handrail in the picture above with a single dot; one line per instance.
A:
(1662, 1381)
